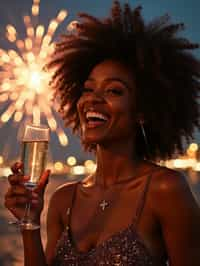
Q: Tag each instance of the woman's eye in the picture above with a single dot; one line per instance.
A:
(114, 91)
(87, 90)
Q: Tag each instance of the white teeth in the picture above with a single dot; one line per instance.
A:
(90, 114)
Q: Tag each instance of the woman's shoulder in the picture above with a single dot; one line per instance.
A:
(167, 180)
(64, 190)
(178, 213)
(170, 190)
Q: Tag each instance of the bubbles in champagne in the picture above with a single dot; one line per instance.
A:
(34, 154)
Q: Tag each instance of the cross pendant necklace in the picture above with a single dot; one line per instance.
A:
(103, 205)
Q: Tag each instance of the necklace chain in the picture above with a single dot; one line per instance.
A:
(91, 180)
(104, 203)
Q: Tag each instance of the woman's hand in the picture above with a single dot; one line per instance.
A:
(18, 195)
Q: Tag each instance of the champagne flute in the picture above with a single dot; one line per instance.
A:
(34, 154)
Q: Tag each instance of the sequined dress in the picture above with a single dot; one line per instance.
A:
(124, 248)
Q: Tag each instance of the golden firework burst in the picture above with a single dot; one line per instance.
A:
(24, 84)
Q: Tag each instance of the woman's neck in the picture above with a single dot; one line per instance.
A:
(115, 164)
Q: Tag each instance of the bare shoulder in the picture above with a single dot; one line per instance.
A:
(178, 214)
(167, 180)
(171, 191)
(59, 202)
(63, 192)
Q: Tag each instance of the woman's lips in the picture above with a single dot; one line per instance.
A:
(95, 118)
(95, 124)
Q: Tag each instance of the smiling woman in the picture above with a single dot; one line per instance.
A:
(104, 108)
(162, 69)
(130, 90)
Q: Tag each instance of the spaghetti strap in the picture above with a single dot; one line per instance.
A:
(69, 209)
(122, 248)
(141, 202)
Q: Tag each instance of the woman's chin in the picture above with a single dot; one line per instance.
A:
(92, 140)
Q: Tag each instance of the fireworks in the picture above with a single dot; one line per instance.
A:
(24, 84)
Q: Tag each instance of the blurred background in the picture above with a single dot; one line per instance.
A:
(28, 30)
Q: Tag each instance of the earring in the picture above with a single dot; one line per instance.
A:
(141, 122)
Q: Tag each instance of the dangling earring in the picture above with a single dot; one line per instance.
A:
(141, 122)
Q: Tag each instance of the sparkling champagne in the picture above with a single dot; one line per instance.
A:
(34, 145)
(34, 154)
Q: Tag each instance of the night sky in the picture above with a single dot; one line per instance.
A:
(11, 12)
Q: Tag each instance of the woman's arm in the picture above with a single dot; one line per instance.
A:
(54, 225)
(33, 249)
(15, 200)
(179, 215)
(34, 254)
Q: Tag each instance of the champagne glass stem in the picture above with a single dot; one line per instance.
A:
(26, 217)
(27, 222)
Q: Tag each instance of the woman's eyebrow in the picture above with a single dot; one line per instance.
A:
(110, 80)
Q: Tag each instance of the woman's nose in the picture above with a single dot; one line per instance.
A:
(91, 98)
(95, 96)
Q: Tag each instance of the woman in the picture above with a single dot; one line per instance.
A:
(130, 90)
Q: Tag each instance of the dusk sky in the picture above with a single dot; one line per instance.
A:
(11, 12)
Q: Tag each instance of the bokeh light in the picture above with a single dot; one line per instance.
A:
(58, 166)
(1, 160)
(71, 160)
(78, 170)
(90, 166)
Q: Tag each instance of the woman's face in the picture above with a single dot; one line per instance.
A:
(105, 108)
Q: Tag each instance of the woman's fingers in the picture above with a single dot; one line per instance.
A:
(17, 178)
(18, 190)
(17, 168)
(16, 195)
(43, 181)
(12, 202)
(20, 195)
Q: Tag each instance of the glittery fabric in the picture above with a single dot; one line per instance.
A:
(124, 248)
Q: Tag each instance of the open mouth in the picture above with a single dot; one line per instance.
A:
(94, 119)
